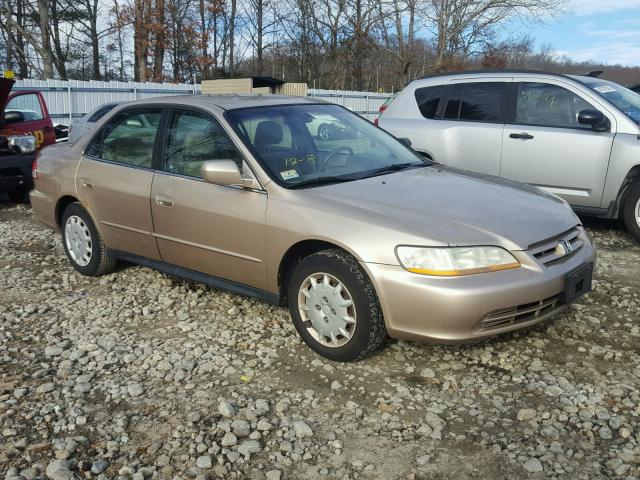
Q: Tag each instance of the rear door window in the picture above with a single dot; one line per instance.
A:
(129, 138)
(428, 99)
(477, 102)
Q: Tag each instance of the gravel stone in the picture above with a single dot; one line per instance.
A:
(533, 465)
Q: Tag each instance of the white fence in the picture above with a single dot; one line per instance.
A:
(71, 99)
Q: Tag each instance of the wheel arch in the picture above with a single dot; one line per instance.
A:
(633, 176)
(61, 206)
(295, 254)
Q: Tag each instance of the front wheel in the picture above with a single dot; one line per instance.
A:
(631, 210)
(334, 306)
(82, 243)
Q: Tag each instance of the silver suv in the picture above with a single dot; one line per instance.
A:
(574, 136)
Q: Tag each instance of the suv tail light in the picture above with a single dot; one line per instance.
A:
(382, 108)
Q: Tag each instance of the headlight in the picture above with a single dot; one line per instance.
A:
(455, 261)
(23, 143)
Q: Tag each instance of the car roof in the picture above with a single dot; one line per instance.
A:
(228, 101)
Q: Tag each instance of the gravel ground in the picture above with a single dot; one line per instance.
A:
(140, 375)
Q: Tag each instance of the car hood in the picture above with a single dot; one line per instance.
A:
(5, 87)
(457, 207)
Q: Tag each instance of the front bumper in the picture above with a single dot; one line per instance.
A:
(15, 172)
(464, 309)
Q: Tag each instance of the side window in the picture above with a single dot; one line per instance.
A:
(128, 138)
(428, 99)
(477, 102)
(193, 138)
(548, 105)
(28, 104)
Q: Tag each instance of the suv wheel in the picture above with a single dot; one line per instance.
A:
(631, 212)
(334, 306)
(82, 243)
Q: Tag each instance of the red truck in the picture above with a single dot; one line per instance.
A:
(25, 127)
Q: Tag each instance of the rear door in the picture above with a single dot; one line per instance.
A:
(36, 117)
(114, 180)
(546, 146)
(467, 131)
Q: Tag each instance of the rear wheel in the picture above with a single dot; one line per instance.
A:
(82, 243)
(631, 210)
(334, 306)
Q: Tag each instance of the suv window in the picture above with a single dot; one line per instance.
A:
(477, 102)
(28, 104)
(548, 105)
(193, 138)
(428, 99)
(128, 138)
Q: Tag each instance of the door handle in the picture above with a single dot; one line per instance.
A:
(164, 201)
(523, 136)
(86, 183)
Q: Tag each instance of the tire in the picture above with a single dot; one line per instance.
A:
(83, 244)
(631, 210)
(365, 335)
(324, 131)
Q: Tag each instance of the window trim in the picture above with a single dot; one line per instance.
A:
(514, 106)
(504, 111)
(111, 115)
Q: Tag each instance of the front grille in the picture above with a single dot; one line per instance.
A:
(519, 314)
(550, 251)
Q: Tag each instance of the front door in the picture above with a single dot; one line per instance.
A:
(212, 229)
(114, 180)
(548, 148)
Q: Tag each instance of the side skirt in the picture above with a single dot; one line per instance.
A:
(198, 277)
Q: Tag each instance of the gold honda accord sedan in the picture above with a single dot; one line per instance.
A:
(307, 205)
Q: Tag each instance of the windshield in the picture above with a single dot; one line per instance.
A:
(306, 144)
(627, 101)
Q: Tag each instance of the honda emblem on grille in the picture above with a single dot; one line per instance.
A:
(564, 248)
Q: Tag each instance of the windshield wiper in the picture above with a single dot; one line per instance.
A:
(395, 167)
(325, 180)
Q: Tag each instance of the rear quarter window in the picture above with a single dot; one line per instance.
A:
(428, 99)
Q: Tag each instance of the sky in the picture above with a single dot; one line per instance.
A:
(605, 31)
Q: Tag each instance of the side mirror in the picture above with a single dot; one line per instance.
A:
(13, 117)
(405, 141)
(225, 172)
(594, 118)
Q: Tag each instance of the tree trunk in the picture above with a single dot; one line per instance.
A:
(232, 40)
(47, 55)
(158, 53)
(139, 42)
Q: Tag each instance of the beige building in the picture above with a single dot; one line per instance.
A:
(257, 84)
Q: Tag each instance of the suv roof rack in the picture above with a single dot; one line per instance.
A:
(469, 72)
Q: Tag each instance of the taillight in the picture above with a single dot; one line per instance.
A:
(375, 121)
(34, 166)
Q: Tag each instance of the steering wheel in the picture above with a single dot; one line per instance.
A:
(332, 154)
